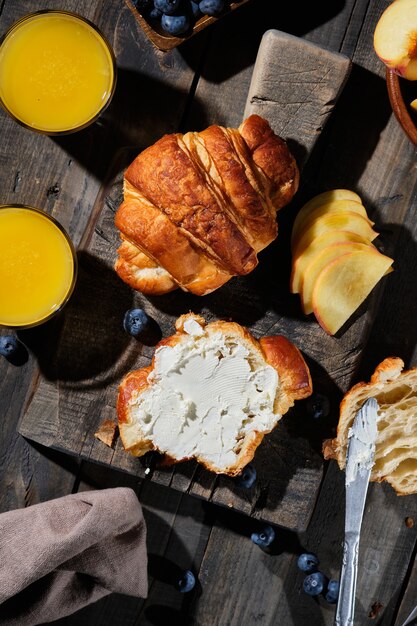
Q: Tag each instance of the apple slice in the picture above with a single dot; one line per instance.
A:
(327, 238)
(323, 198)
(346, 220)
(344, 284)
(335, 206)
(395, 38)
(319, 262)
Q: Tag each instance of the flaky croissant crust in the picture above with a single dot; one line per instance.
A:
(396, 444)
(199, 207)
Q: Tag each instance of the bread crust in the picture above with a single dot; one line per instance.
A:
(280, 353)
(396, 451)
(142, 273)
(292, 369)
(202, 205)
(271, 155)
(166, 175)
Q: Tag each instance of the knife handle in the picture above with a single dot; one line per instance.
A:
(346, 603)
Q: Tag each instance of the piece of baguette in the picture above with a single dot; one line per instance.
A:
(211, 393)
(396, 449)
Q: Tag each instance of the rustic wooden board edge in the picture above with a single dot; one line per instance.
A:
(334, 69)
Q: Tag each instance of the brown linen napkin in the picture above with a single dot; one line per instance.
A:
(59, 556)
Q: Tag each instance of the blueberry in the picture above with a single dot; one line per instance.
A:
(155, 14)
(314, 583)
(247, 477)
(195, 9)
(136, 322)
(142, 5)
(264, 537)
(175, 24)
(318, 406)
(167, 6)
(9, 345)
(211, 7)
(308, 563)
(332, 592)
(186, 581)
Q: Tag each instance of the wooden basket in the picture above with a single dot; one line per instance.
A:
(163, 40)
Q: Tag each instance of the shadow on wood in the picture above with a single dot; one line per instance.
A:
(88, 339)
(136, 117)
(243, 31)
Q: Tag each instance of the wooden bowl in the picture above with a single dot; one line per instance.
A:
(400, 95)
(165, 41)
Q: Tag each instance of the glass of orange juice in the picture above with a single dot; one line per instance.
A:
(38, 266)
(57, 72)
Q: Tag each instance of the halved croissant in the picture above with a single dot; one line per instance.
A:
(199, 207)
(211, 393)
(396, 449)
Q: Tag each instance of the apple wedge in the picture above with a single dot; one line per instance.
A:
(347, 220)
(335, 206)
(344, 284)
(395, 38)
(319, 262)
(326, 239)
(323, 198)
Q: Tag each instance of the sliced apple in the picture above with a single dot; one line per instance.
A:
(395, 38)
(326, 239)
(346, 220)
(334, 195)
(318, 264)
(335, 206)
(344, 284)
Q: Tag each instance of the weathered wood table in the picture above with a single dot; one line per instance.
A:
(77, 179)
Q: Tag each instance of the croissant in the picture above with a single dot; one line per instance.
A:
(211, 393)
(396, 444)
(199, 207)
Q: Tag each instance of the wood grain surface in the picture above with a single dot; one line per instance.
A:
(78, 386)
(206, 80)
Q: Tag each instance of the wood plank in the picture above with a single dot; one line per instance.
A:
(86, 380)
(317, 77)
(177, 533)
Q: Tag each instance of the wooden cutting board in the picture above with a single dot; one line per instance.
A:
(295, 85)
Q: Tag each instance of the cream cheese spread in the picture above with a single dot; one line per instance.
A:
(206, 394)
(362, 436)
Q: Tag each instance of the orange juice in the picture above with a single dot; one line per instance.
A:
(37, 266)
(57, 72)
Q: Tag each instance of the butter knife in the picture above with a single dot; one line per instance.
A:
(359, 461)
(411, 618)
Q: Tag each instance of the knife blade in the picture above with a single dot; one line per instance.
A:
(411, 618)
(359, 461)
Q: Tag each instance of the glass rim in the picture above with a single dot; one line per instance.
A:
(74, 264)
(107, 44)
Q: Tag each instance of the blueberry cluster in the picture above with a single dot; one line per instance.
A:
(316, 583)
(177, 17)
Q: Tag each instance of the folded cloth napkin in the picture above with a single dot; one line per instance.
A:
(59, 556)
